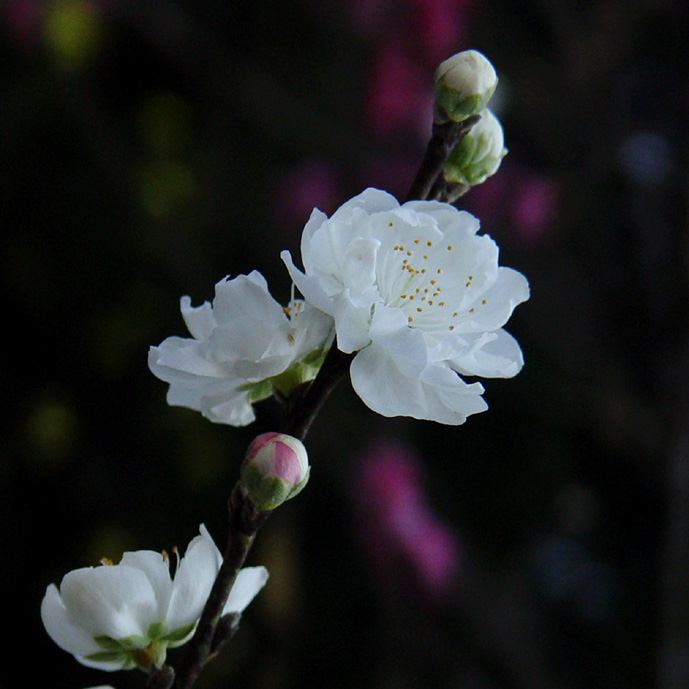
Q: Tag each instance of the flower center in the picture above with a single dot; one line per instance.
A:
(428, 282)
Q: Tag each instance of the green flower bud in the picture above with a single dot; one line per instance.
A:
(275, 469)
(464, 84)
(478, 154)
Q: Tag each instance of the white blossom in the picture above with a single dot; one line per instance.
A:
(243, 345)
(419, 296)
(116, 617)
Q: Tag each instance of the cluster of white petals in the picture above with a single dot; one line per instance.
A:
(242, 346)
(419, 296)
(115, 617)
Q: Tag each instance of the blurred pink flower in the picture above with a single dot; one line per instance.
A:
(487, 201)
(399, 96)
(441, 27)
(311, 184)
(398, 527)
(533, 206)
(522, 197)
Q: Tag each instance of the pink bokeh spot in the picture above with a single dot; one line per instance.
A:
(311, 184)
(399, 96)
(523, 197)
(441, 26)
(533, 206)
(398, 526)
(24, 19)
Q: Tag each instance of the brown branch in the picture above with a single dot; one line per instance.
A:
(445, 136)
(245, 520)
(301, 408)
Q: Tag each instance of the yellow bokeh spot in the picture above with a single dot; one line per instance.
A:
(164, 186)
(72, 32)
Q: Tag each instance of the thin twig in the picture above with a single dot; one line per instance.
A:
(245, 521)
(301, 409)
(445, 137)
(305, 403)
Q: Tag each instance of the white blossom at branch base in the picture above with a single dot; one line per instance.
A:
(117, 617)
(419, 295)
(244, 345)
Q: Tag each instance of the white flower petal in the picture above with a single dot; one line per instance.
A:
(351, 323)
(404, 345)
(490, 355)
(460, 224)
(310, 286)
(200, 393)
(372, 201)
(233, 409)
(114, 601)
(383, 387)
(311, 329)
(157, 569)
(177, 359)
(65, 632)
(450, 399)
(316, 219)
(246, 297)
(106, 665)
(193, 581)
(493, 308)
(199, 320)
(248, 583)
(438, 394)
(359, 265)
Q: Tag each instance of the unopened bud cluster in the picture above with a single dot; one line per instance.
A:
(275, 469)
(464, 84)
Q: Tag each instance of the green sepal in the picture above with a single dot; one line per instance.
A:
(265, 492)
(178, 634)
(268, 492)
(458, 106)
(111, 657)
(465, 164)
(157, 630)
(105, 642)
(301, 372)
(133, 642)
(257, 391)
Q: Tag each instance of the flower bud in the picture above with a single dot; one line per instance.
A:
(478, 154)
(464, 84)
(275, 469)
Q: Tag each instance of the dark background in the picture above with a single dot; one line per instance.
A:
(148, 149)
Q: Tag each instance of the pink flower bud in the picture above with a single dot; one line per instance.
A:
(275, 469)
